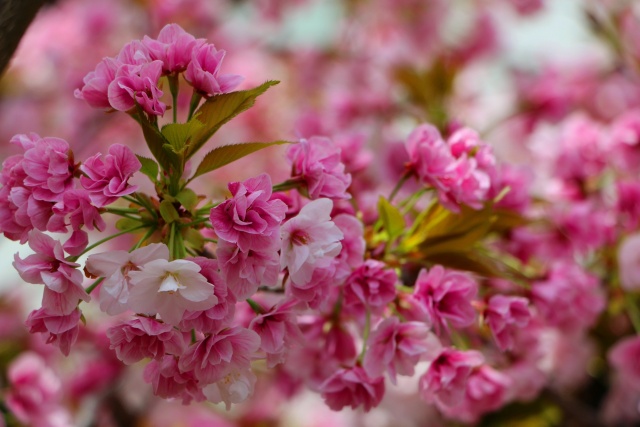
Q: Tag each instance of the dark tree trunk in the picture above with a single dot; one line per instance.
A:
(15, 17)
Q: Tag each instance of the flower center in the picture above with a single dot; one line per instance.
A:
(170, 284)
(299, 238)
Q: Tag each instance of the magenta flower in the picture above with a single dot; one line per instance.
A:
(429, 156)
(63, 282)
(309, 241)
(212, 358)
(168, 381)
(277, 329)
(624, 356)
(143, 337)
(77, 207)
(106, 178)
(504, 315)
(203, 72)
(62, 329)
(173, 47)
(445, 382)
(446, 296)
(352, 387)
(250, 219)
(96, 84)
(316, 161)
(169, 288)
(371, 284)
(115, 267)
(397, 347)
(137, 84)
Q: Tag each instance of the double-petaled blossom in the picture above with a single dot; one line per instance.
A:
(250, 219)
(35, 392)
(371, 285)
(396, 347)
(624, 356)
(446, 296)
(77, 210)
(106, 178)
(316, 161)
(137, 84)
(278, 330)
(504, 314)
(168, 381)
(352, 387)
(217, 355)
(115, 267)
(310, 241)
(62, 329)
(445, 382)
(48, 266)
(203, 72)
(169, 288)
(143, 337)
(429, 155)
(96, 84)
(173, 47)
(235, 387)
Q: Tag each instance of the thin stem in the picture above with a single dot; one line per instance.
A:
(144, 238)
(206, 208)
(287, 185)
(257, 308)
(106, 239)
(173, 88)
(172, 250)
(116, 210)
(131, 200)
(195, 222)
(399, 185)
(193, 104)
(206, 239)
(193, 336)
(142, 202)
(94, 285)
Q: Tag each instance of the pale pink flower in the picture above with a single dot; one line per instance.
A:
(397, 347)
(143, 337)
(245, 272)
(115, 267)
(169, 288)
(624, 356)
(569, 298)
(236, 387)
(173, 47)
(321, 289)
(250, 219)
(203, 72)
(352, 387)
(168, 381)
(309, 241)
(371, 285)
(316, 161)
(137, 84)
(629, 262)
(446, 295)
(48, 266)
(503, 315)
(96, 84)
(217, 355)
(353, 151)
(278, 330)
(133, 53)
(527, 7)
(106, 177)
(62, 329)
(445, 382)
(34, 396)
(353, 244)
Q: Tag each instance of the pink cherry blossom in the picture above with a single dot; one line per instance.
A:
(352, 387)
(62, 329)
(445, 382)
(624, 356)
(137, 84)
(213, 357)
(236, 387)
(250, 219)
(278, 330)
(316, 161)
(169, 288)
(173, 47)
(203, 72)
(106, 177)
(446, 295)
(371, 284)
(353, 245)
(115, 267)
(628, 203)
(96, 84)
(429, 156)
(397, 347)
(629, 262)
(48, 266)
(75, 206)
(309, 241)
(168, 381)
(503, 315)
(143, 337)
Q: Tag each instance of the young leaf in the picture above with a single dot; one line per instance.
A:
(188, 198)
(219, 109)
(179, 134)
(126, 224)
(168, 212)
(392, 220)
(155, 141)
(149, 167)
(226, 154)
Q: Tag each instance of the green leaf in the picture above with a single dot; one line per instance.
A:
(149, 168)
(226, 154)
(126, 224)
(168, 212)
(188, 198)
(179, 134)
(193, 238)
(219, 109)
(392, 220)
(156, 141)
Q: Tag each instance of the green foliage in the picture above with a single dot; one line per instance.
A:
(127, 224)
(187, 198)
(149, 168)
(168, 212)
(393, 222)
